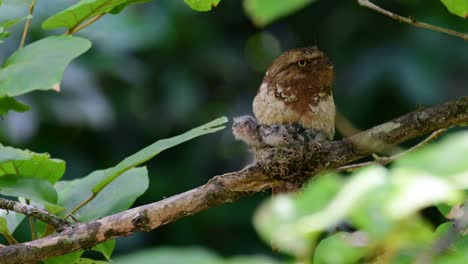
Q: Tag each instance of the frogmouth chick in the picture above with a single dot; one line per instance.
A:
(247, 129)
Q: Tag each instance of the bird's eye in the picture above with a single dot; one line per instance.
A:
(302, 63)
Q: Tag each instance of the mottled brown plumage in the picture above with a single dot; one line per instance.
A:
(297, 88)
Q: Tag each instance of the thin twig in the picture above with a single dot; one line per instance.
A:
(412, 21)
(79, 206)
(83, 25)
(386, 160)
(35, 212)
(28, 22)
(32, 225)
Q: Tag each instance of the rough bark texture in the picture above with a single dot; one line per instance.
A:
(273, 169)
(57, 222)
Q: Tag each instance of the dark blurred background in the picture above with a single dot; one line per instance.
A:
(160, 68)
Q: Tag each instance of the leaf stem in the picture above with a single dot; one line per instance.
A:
(11, 240)
(28, 23)
(83, 25)
(78, 207)
(412, 21)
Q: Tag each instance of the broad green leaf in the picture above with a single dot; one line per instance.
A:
(356, 189)
(154, 149)
(10, 103)
(13, 219)
(411, 192)
(34, 189)
(370, 216)
(5, 231)
(25, 163)
(293, 224)
(71, 257)
(84, 10)
(263, 12)
(117, 197)
(351, 247)
(453, 258)
(274, 219)
(170, 255)
(106, 248)
(4, 226)
(444, 158)
(442, 229)
(444, 208)
(39, 65)
(202, 5)
(457, 7)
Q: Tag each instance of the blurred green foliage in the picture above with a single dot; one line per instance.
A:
(381, 203)
(458, 7)
(159, 68)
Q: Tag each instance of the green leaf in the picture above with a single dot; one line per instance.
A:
(71, 257)
(10, 103)
(117, 197)
(170, 255)
(275, 218)
(202, 5)
(39, 65)
(89, 261)
(5, 231)
(444, 158)
(457, 7)
(34, 189)
(4, 226)
(4, 25)
(25, 163)
(370, 216)
(354, 191)
(351, 247)
(263, 12)
(444, 208)
(106, 248)
(13, 219)
(410, 192)
(453, 258)
(84, 10)
(154, 149)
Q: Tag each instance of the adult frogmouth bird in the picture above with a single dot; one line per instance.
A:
(297, 89)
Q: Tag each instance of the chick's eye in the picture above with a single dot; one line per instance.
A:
(302, 63)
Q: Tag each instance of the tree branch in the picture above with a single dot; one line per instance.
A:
(412, 21)
(232, 186)
(35, 212)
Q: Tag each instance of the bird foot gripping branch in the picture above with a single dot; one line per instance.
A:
(295, 112)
